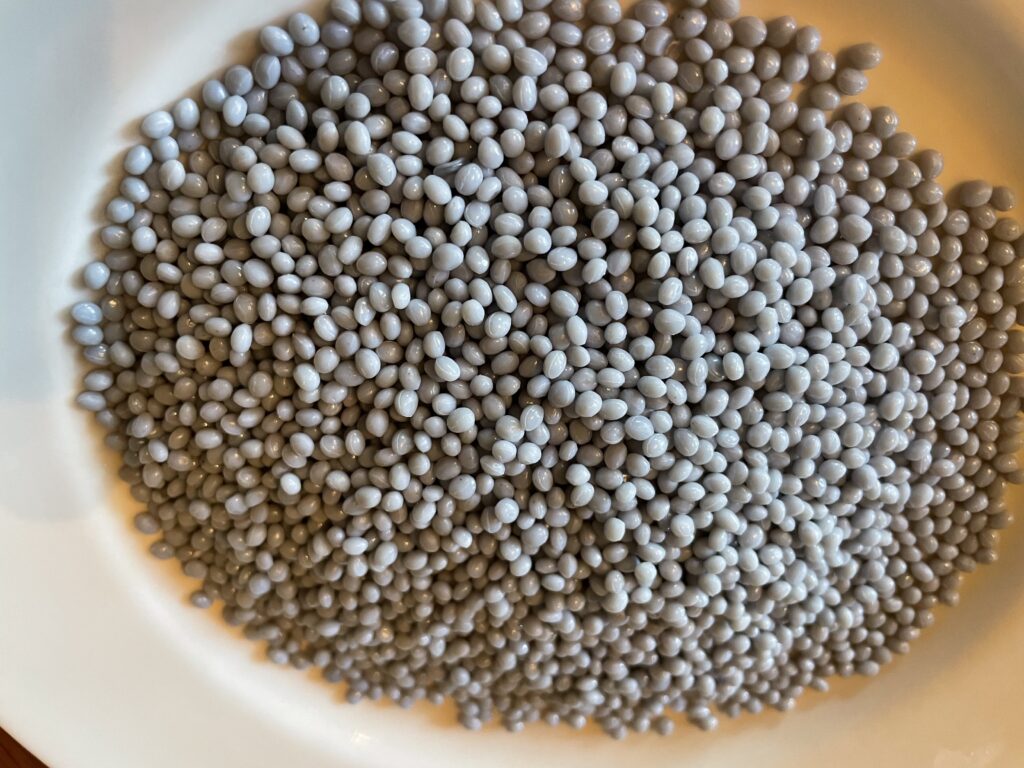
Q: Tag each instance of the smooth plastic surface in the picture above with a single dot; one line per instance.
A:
(101, 661)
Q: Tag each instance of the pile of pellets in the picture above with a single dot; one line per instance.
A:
(563, 361)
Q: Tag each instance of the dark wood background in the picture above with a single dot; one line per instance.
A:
(13, 755)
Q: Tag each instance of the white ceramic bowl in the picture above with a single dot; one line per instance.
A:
(101, 661)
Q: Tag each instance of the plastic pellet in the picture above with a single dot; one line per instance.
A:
(864, 56)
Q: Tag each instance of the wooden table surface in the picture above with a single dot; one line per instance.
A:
(13, 755)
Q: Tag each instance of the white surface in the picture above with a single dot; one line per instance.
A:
(101, 662)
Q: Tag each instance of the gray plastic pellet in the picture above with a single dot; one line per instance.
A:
(303, 29)
(276, 41)
(864, 56)
(157, 125)
(974, 194)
